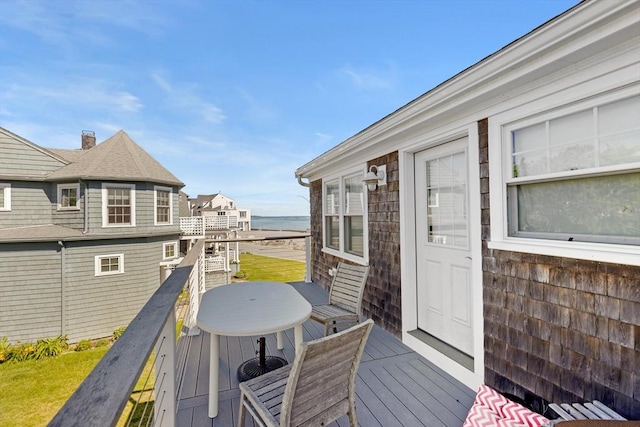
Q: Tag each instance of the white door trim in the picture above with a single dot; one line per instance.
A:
(408, 254)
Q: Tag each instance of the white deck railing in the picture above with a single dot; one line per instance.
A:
(198, 225)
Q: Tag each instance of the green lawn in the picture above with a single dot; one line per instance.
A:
(271, 269)
(32, 392)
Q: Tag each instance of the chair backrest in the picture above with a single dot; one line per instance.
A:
(321, 385)
(347, 286)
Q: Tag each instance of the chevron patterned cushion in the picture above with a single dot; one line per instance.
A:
(490, 408)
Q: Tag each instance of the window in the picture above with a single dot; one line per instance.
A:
(106, 265)
(118, 202)
(576, 176)
(170, 250)
(5, 197)
(344, 219)
(163, 205)
(68, 196)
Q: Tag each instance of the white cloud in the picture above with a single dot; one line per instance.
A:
(185, 98)
(53, 22)
(163, 83)
(365, 79)
(90, 94)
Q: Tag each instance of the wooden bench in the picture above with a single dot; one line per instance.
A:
(584, 411)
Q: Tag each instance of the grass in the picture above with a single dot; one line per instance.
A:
(264, 268)
(32, 392)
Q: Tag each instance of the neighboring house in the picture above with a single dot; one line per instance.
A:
(504, 244)
(83, 235)
(221, 205)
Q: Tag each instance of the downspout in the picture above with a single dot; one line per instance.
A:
(63, 290)
(307, 243)
(85, 207)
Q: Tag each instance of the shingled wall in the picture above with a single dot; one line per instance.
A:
(382, 299)
(560, 329)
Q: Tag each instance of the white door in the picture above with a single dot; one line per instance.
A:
(442, 238)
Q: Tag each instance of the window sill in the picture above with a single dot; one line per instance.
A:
(600, 252)
(346, 256)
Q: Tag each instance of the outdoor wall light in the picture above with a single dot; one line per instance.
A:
(373, 179)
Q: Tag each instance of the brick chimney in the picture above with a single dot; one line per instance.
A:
(88, 139)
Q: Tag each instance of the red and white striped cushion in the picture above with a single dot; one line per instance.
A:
(490, 408)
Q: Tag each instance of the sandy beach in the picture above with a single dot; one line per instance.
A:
(289, 245)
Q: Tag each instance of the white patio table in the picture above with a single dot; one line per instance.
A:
(245, 309)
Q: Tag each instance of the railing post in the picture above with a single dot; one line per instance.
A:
(165, 382)
(307, 253)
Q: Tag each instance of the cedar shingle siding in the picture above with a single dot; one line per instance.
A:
(562, 329)
(381, 300)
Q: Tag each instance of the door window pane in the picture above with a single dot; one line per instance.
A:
(447, 215)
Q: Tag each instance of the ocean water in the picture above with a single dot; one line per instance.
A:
(295, 223)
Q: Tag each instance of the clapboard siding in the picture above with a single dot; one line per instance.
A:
(30, 297)
(27, 200)
(73, 219)
(144, 210)
(18, 158)
(96, 305)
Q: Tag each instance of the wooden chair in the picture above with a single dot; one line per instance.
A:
(345, 297)
(316, 389)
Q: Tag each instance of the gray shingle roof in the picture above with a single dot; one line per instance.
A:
(116, 159)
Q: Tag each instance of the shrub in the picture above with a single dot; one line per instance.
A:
(83, 345)
(50, 347)
(102, 343)
(4, 348)
(240, 274)
(21, 352)
(118, 332)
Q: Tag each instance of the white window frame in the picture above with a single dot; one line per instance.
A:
(168, 245)
(169, 190)
(341, 251)
(98, 266)
(72, 186)
(105, 199)
(6, 189)
(499, 174)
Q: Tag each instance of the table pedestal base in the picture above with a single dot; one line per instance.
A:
(259, 365)
(252, 367)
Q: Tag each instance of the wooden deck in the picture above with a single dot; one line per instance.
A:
(395, 386)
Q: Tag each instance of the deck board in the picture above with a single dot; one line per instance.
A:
(395, 386)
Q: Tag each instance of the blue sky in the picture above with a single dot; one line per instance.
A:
(233, 96)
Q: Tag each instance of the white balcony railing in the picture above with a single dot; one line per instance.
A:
(198, 225)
